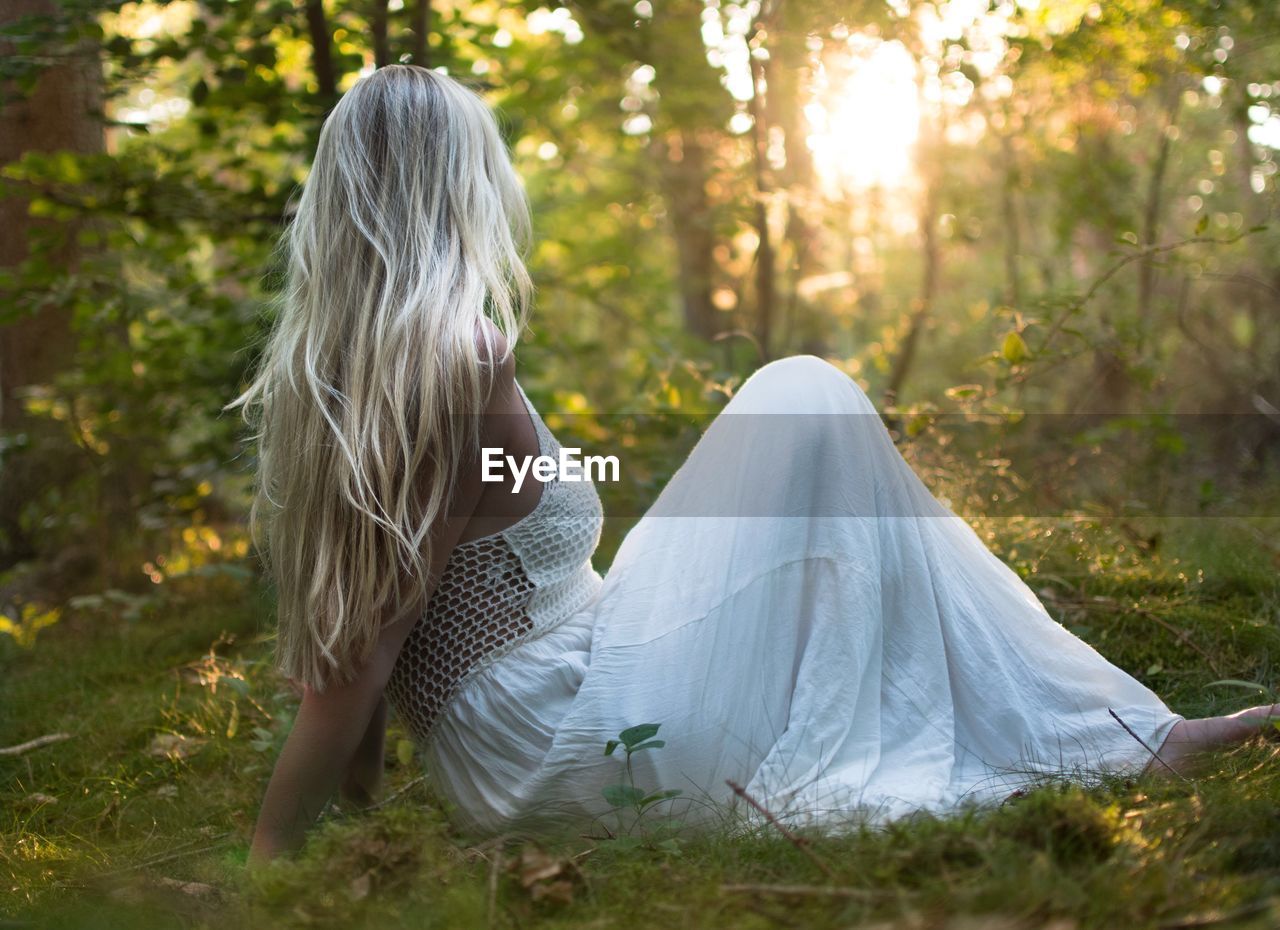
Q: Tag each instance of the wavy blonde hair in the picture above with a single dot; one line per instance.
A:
(409, 235)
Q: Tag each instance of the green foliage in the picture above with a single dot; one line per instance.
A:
(1042, 309)
(626, 796)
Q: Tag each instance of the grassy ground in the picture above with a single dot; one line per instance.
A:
(141, 817)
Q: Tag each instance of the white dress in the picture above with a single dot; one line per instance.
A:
(798, 613)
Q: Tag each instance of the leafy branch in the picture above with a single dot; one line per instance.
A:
(1075, 306)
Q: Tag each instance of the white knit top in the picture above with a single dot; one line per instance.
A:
(498, 591)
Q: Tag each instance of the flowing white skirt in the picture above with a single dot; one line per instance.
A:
(801, 616)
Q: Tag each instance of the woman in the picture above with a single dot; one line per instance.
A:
(797, 611)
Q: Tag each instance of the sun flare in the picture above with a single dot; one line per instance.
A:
(864, 119)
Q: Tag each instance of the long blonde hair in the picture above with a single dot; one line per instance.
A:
(409, 234)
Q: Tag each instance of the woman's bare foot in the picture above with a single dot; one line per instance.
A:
(1187, 739)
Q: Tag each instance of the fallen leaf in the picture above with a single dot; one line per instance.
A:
(174, 746)
(561, 892)
(535, 865)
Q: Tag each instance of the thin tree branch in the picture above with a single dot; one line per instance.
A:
(1155, 755)
(798, 842)
(1123, 263)
(37, 743)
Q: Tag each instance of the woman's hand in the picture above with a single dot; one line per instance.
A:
(317, 757)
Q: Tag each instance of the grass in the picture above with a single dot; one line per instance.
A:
(142, 817)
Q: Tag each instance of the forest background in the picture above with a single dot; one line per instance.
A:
(1042, 235)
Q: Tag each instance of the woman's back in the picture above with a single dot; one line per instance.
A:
(498, 590)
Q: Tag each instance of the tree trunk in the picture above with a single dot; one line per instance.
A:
(421, 33)
(684, 180)
(1012, 229)
(63, 112)
(764, 250)
(932, 254)
(1151, 210)
(788, 74)
(321, 49)
(378, 25)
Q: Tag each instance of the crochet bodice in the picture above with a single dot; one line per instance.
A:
(498, 591)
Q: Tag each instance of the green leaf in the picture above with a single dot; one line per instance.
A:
(638, 734)
(610, 746)
(622, 795)
(1014, 349)
(1202, 224)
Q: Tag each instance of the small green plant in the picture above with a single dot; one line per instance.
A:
(626, 795)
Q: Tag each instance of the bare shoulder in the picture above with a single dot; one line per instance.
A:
(499, 364)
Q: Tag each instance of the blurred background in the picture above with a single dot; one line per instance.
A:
(1055, 218)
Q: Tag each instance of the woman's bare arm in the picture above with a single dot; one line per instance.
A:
(364, 774)
(326, 731)
(331, 725)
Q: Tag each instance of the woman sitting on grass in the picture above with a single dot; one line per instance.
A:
(807, 622)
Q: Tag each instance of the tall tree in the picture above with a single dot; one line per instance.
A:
(62, 112)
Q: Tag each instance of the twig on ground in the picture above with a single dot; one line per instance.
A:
(398, 793)
(798, 842)
(1155, 755)
(46, 740)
